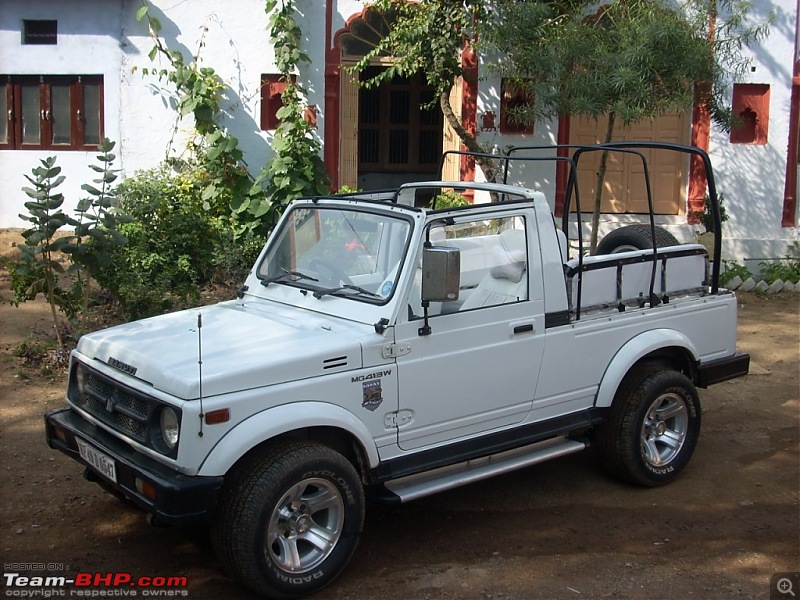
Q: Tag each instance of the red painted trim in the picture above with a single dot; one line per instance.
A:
(789, 215)
(562, 168)
(333, 60)
(701, 133)
(330, 152)
(469, 106)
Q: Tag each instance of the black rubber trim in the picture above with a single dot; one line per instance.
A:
(723, 369)
(485, 445)
(556, 319)
(180, 499)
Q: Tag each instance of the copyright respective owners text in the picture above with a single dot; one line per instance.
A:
(61, 580)
(785, 586)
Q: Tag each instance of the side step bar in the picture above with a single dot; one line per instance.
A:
(452, 476)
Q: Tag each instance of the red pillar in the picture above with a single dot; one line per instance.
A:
(330, 150)
(469, 106)
(701, 132)
(789, 217)
(562, 167)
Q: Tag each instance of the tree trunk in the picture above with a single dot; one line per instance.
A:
(598, 189)
(486, 165)
(51, 295)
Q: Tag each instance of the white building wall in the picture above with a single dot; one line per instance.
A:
(234, 42)
(537, 175)
(752, 177)
(103, 37)
(88, 44)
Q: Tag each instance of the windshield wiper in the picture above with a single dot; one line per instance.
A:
(287, 273)
(320, 293)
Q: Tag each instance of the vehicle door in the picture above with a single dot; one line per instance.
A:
(476, 370)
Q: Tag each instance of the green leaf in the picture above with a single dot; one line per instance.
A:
(261, 210)
(214, 152)
(208, 193)
(91, 189)
(239, 204)
(140, 14)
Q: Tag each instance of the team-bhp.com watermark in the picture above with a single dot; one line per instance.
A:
(24, 580)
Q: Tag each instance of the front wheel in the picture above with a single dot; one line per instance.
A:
(290, 520)
(653, 428)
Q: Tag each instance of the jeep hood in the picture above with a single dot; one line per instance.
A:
(243, 347)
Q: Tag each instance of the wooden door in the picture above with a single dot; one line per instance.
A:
(624, 187)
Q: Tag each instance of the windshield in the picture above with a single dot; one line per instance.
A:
(338, 252)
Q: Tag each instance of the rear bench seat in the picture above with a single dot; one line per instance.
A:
(680, 271)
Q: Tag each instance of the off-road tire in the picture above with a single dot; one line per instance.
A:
(275, 511)
(653, 428)
(635, 237)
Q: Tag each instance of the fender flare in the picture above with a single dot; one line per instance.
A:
(633, 350)
(279, 420)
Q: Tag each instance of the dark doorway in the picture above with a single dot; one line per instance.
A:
(399, 137)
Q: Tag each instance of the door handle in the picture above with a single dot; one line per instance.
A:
(523, 328)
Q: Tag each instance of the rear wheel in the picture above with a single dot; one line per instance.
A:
(290, 520)
(653, 428)
(635, 237)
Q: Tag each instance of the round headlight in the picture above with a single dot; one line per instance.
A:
(170, 427)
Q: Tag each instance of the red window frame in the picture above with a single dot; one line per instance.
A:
(272, 87)
(510, 98)
(750, 107)
(76, 85)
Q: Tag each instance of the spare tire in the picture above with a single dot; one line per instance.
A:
(635, 237)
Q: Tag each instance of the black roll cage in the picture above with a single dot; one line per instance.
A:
(634, 148)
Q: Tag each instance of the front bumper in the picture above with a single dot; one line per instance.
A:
(172, 497)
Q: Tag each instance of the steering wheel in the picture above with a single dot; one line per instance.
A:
(337, 273)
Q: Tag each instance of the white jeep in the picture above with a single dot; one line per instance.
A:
(379, 349)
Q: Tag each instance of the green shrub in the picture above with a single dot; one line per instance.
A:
(97, 225)
(235, 256)
(176, 244)
(449, 199)
(171, 244)
(705, 216)
(787, 269)
(41, 264)
(731, 269)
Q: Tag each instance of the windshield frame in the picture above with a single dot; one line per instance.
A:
(306, 280)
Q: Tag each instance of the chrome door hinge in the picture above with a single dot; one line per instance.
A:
(395, 350)
(397, 419)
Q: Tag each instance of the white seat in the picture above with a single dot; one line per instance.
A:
(506, 280)
(563, 245)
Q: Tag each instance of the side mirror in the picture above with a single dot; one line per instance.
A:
(441, 274)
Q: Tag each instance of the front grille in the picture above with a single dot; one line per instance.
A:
(119, 407)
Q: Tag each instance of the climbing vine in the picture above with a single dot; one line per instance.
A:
(296, 168)
(227, 184)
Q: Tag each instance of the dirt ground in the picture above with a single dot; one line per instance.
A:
(557, 530)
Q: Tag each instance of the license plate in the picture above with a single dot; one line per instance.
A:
(104, 464)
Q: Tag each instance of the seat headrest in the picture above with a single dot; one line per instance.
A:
(510, 256)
